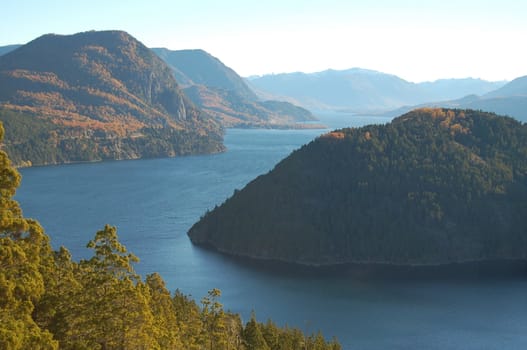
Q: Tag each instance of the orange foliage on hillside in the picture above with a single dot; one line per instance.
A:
(115, 85)
(448, 119)
(121, 125)
(54, 100)
(336, 135)
(38, 77)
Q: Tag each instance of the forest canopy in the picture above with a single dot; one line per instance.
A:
(434, 186)
(48, 301)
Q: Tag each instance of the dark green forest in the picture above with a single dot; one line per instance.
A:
(434, 186)
(49, 301)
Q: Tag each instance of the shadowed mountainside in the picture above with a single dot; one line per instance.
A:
(510, 100)
(435, 186)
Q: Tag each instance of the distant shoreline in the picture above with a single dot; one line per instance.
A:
(385, 270)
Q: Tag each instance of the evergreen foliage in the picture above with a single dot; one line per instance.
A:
(49, 302)
(434, 186)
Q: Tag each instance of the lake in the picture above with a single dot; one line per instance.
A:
(154, 202)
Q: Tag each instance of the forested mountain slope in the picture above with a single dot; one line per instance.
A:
(434, 186)
(97, 95)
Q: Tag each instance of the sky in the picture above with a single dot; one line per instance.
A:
(417, 40)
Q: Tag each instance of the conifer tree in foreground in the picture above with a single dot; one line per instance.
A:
(24, 254)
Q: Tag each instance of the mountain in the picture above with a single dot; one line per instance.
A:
(513, 106)
(447, 89)
(223, 94)
(233, 110)
(197, 67)
(361, 90)
(331, 89)
(517, 87)
(8, 48)
(510, 100)
(93, 96)
(434, 186)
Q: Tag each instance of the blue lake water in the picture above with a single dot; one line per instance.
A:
(154, 202)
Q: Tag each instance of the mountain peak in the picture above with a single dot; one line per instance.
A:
(198, 67)
(100, 60)
(105, 82)
(105, 38)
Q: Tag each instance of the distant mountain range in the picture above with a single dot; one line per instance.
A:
(8, 48)
(361, 90)
(434, 186)
(108, 87)
(222, 93)
(510, 99)
(96, 95)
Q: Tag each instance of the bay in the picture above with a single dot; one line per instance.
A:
(154, 202)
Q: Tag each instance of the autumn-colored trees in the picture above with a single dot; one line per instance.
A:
(48, 301)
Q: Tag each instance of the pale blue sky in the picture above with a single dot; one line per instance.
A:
(416, 40)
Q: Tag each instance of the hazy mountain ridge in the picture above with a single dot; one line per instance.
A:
(510, 100)
(435, 186)
(8, 48)
(516, 87)
(222, 93)
(106, 91)
(361, 90)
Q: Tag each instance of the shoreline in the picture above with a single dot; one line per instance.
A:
(382, 270)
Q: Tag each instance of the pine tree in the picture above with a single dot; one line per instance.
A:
(271, 334)
(190, 322)
(166, 326)
(22, 246)
(59, 299)
(213, 318)
(253, 337)
(112, 307)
